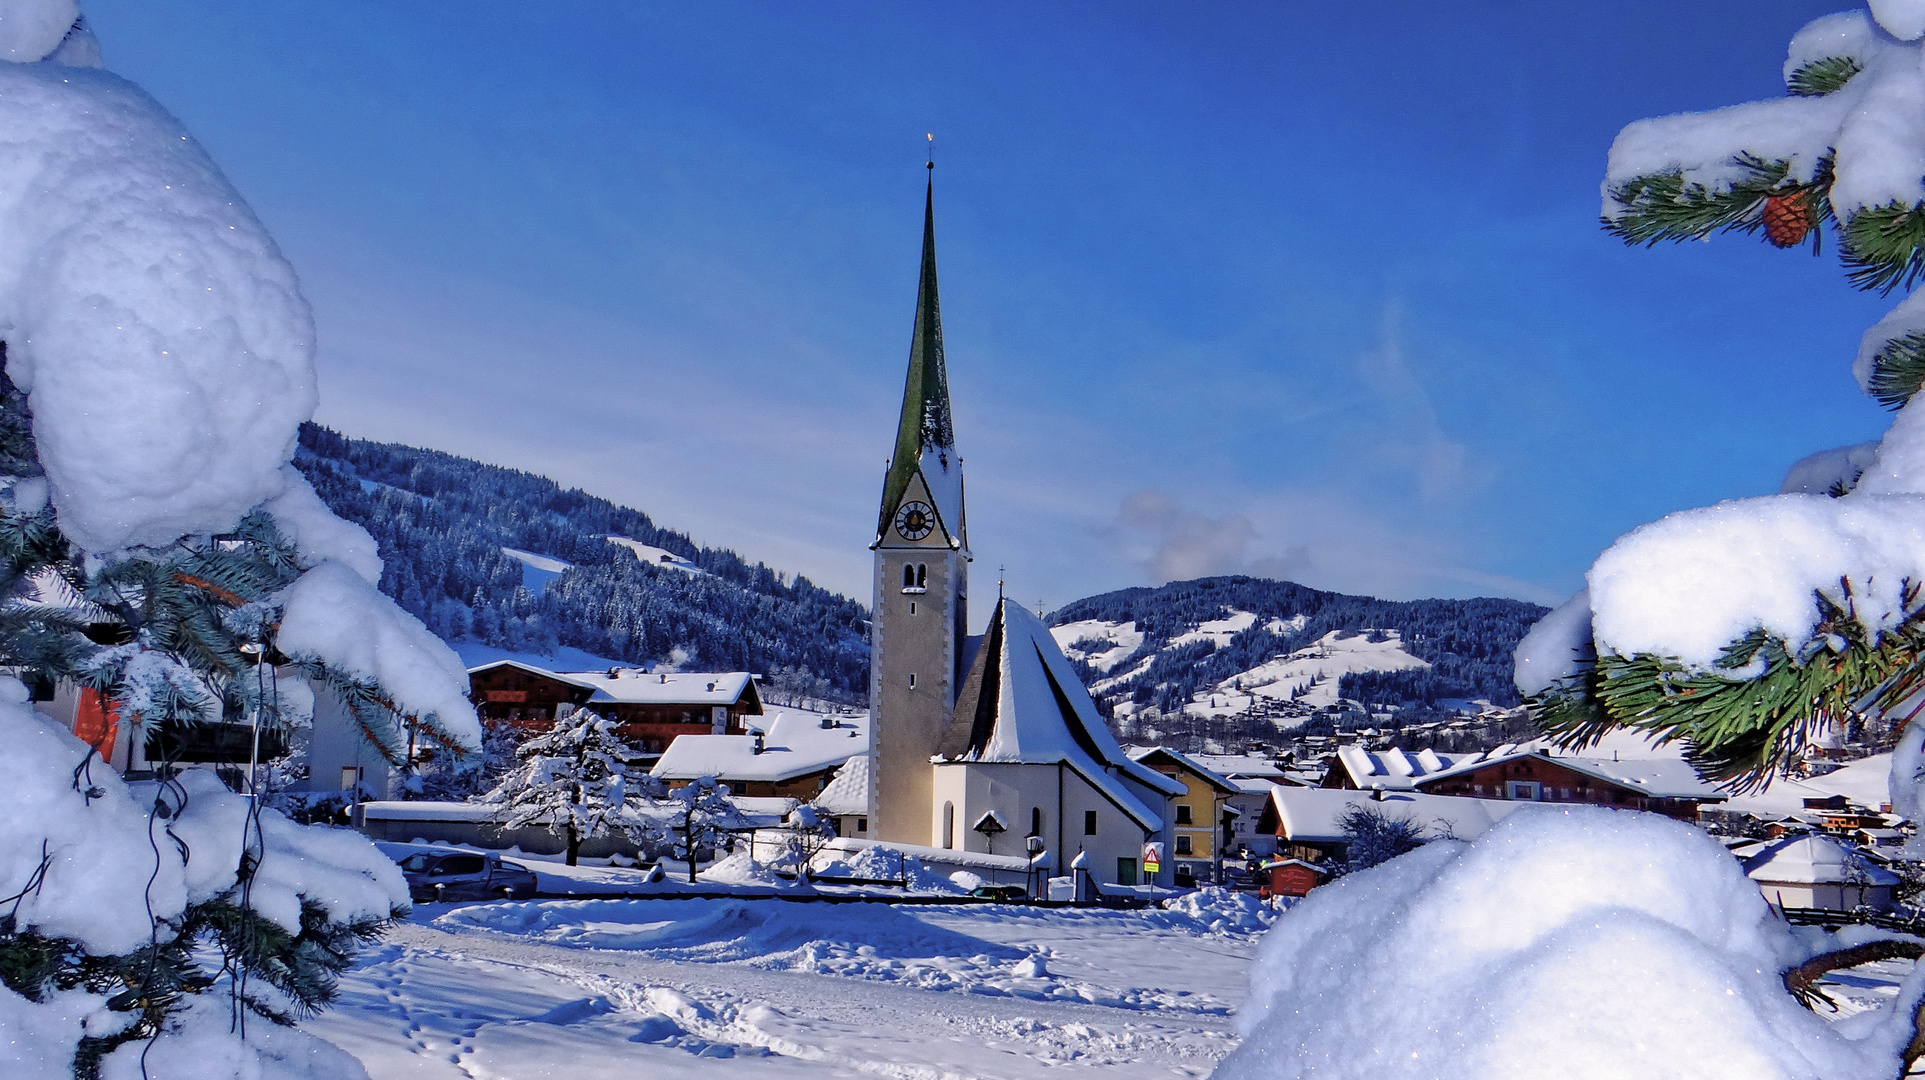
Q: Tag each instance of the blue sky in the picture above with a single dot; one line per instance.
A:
(1309, 291)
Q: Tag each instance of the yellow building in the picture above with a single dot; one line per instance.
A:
(1201, 815)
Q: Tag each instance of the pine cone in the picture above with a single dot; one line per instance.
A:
(1787, 218)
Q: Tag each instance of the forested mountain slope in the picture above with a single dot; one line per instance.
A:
(443, 523)
(1162, 646)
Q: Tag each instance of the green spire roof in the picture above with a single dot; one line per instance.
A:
(925, 441)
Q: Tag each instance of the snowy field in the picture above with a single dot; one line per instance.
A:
(593, 989)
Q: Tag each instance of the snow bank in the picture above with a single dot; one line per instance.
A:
(886, 864)
(332, 614)
(163, 341)
(1613, 944)
(741, 869)
(1216, 910)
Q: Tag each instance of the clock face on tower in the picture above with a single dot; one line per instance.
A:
(915, 520)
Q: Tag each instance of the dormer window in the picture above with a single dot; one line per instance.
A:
(915, 577)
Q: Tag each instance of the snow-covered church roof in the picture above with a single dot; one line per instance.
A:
(1021, 703)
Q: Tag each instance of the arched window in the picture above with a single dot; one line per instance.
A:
(922, 575)
(949, 825)
(915, 577)
(909, 575)
(1035, 821)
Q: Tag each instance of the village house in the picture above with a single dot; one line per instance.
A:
(1203, 817)
(1819, 872)
(1529, 773)
(1310, 837)
(649, 709)
(794, 756)
(845, 802)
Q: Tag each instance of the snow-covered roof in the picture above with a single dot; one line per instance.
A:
(1315, 814)
(633, 686)
(795, 744)
(1240, 766)
(1144, 754)
(848, 790)
(1400, 770)
(1021, 703)
(1814, 860)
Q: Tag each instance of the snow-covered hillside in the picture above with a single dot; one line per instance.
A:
(1280, 651)
(1309, 676)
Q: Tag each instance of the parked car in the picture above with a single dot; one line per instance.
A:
(1008, 894)
(435, 876)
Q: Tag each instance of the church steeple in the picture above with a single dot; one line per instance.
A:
(925, 438)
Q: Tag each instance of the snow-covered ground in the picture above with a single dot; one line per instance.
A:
(668, 988)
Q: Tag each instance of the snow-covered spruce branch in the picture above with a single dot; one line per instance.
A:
(1755, 711)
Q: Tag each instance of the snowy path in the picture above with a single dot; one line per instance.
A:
(479, 1005)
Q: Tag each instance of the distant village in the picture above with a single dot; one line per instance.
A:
(983, 763)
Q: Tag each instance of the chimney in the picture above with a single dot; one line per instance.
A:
(614, 673)
(664, 678)
(758, 742)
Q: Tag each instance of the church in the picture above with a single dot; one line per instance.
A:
(990, 744)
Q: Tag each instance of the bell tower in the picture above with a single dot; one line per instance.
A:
(921, 607)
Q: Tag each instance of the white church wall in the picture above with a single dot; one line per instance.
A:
(1057, 798)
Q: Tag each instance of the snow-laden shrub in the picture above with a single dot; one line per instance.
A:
(156, 361)
(110, 886)
(1745, 628)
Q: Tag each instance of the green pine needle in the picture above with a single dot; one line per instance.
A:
(1898, 370)
(1883, 247)
(1823, 76)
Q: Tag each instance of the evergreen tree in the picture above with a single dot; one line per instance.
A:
(1690, 630)
(573, 781)
(701, 818)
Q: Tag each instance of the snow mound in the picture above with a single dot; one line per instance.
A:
(162, 340)
(766, 932)
(886, 864)
(1217, 910)
(741, 869)
(1613, 943)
